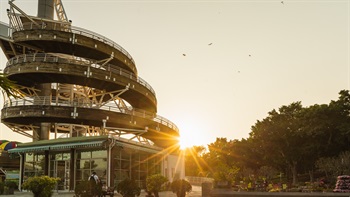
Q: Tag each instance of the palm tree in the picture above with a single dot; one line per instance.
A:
(9, 88)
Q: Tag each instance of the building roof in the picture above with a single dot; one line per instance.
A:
(82, 143)
(61, 143)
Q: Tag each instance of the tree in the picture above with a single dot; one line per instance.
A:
(267, 172)
(334, 166)
(226, 173)
(154, 183)
(279, 139)
(293, 133)
(326, 130)
(180, 187)
(282, 141)
(194, 164)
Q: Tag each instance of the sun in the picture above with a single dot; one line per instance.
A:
(192, 133)
(188, 140)
(185, 143)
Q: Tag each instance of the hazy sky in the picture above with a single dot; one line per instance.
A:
(263, 54)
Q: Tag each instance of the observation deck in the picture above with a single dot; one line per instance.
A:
(92, 84)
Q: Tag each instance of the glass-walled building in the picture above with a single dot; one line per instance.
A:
(74, 159)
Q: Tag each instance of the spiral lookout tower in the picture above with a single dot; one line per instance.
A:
(84, 105)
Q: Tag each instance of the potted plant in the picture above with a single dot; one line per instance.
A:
(41, 186)
(128, 188)
(154, 183)
(11, 185)
(180, 187)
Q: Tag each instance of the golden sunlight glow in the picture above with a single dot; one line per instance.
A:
(190, 139)
(185, 143)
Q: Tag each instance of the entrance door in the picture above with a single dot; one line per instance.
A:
(62, 172)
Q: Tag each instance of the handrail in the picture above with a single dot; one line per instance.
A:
(45, 57)
(85, 103)
(59, 26)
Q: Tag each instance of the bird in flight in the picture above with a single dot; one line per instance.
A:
(210, 44)
(184, 54)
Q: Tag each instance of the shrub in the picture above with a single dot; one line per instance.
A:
(154, 183)
(2, 185)
(10, 187)
(11, 184)
(41, 186)
(128, 188)
(181, 187)
(82, 189)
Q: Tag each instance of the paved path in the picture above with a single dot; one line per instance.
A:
(230, 193)
(196, 192)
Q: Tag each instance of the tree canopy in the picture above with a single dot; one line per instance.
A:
(291, 140)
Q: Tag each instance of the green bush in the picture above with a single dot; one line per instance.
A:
(180, 187)
(82, 189)
(11, 184)
(128, 188)
(2, 185)
(41, 186)
(154, 183)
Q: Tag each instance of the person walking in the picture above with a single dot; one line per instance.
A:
(94, 183)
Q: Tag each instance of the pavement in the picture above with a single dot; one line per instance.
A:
(196, 192)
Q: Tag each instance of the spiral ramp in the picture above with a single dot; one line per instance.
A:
(76, 83)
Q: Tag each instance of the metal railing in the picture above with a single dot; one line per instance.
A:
(59, 26)
(52, 58)
(85, 103)
(194, 180)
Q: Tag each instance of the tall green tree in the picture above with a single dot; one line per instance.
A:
(283, 140)
(194, 163)
(277, 136)
(222, 160)
(325, 130)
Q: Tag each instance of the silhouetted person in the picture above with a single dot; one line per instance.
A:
(94, 183)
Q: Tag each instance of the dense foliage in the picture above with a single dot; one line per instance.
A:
(154, 183)
(41, 186)
(128, 188)
(181, 187)
(292, 144)
(2, 185)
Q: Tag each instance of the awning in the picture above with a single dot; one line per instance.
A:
(29, 149)
(57, 146)
(77, 145)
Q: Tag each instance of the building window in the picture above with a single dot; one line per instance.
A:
(90, 161)
(34, 165)
(134, 164)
